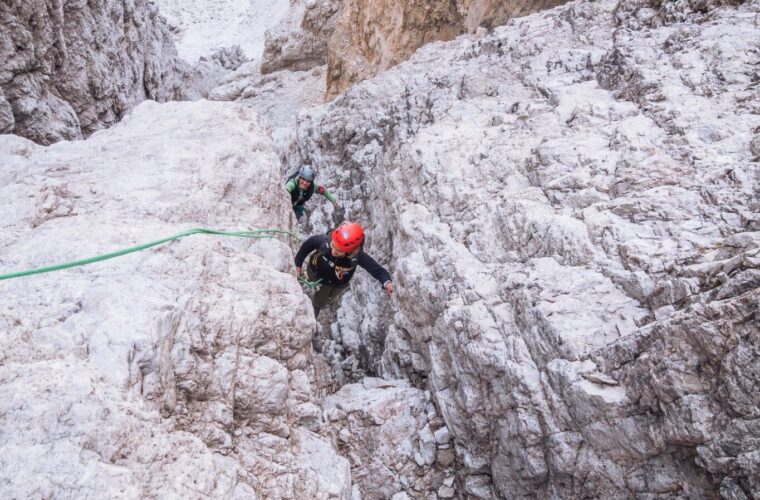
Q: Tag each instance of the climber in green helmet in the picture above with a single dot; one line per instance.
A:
(301, 187)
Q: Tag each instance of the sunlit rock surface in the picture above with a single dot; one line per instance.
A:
(183, 370)
(569, 209)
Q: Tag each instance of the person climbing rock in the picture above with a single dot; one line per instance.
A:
(301, 187)
(333, 259)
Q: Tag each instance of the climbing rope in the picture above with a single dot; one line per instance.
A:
(310, 283)
(257, 233)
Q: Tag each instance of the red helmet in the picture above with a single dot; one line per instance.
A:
(348, 237)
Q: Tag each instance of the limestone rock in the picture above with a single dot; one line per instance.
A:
(371, 35)
(442, 435)
(754, 146)
(427, 447)
(446, 492)
(202, 27)
(182, 370)
(209, 71)
(278, 96)
(299, 41)
(70, 68)
(6, 115)
(568, 206)
(384, 432)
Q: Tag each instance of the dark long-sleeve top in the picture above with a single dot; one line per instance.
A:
(337, 271)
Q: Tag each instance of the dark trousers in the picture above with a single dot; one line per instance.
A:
(299, 210)
(325, 293)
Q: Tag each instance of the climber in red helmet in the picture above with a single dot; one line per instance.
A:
(333, 261)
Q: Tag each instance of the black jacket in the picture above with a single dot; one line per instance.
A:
(337, 271)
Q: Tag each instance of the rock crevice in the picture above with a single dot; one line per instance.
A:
(563, 208)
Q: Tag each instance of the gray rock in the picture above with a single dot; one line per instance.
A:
(7, 121)
(427, 445)
(310, 416)
(445, 457)
(562, 333)
(754, 146)
(600, 378)
(344, 435)
(446, 492)
(210, 71)
(356, 493)
(71, 68)
(442, 435)
(189, 368)
(299, 41)
(386, 432)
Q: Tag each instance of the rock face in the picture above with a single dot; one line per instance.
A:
(69, 68)
(277, 96)
(202, 27)
(210, 71)
(569, 207)
(371, 36)
(181, 371)
(384, 428)
(6, 115)
(299, 41)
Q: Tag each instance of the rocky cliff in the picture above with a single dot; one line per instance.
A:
(300, 41)
(71, 67)
(185, 370)
(202, 27)
(372, 36)
(568, 205)
(570, 208)
(175, 372)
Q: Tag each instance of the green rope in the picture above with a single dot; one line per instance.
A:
(258, 233)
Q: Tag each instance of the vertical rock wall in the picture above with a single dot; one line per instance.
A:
(569, 207)
(372, 36)
(71, 67)
(299, 41)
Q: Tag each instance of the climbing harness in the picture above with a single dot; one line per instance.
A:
(256, 233)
